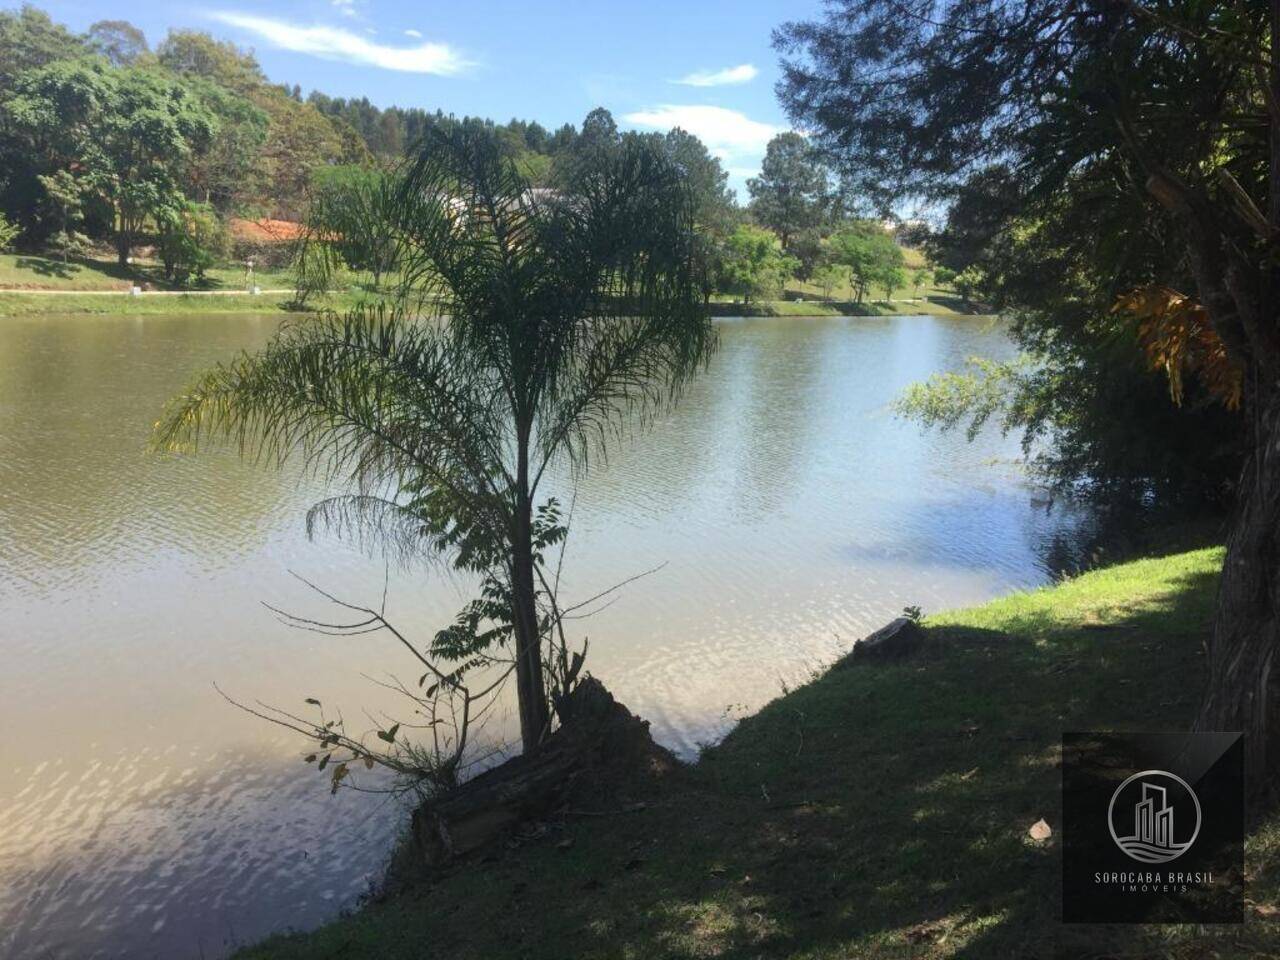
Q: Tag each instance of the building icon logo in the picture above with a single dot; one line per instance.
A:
(1154, 816)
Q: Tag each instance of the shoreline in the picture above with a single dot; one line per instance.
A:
(19, 303)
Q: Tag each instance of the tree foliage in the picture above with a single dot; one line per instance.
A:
(347, 226)
(190, 239)
(870, 255)
(790, 194)
(752, 263)
(1045, 164)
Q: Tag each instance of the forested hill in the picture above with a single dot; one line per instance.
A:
(218, 130)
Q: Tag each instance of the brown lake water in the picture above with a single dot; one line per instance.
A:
(142, 816)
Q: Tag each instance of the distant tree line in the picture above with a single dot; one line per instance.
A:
(106, 140)
(103, 138)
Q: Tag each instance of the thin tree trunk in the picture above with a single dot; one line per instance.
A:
(531, 696)
(122, 242)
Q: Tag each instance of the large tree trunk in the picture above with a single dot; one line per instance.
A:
(1243, 681)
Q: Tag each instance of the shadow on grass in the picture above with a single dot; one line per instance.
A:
(48, 268)
(959, 304)
(143, 273)
(879, 811)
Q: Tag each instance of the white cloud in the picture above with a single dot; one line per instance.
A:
(334, 43)
(345, 7)
(743, 73)
(416, 34)
(726, 133)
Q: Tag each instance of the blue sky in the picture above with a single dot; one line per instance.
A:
(706, 66)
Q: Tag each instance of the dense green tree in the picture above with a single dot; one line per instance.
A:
(299, 140)
(66, 196)
(567, 318)
(29, 39)
(892, 279)
(714, 207)
(150, 128)
(229, 172)
(593, 148)
(753, 264)
(599, 131)
(50, 115)
(8, 233)
(920, 277)
(127, 132)
(1171, 103)
(870, 255)
(190, 238)
(791, 192)
(279, 158)
(810, 249)
(828, 276)
(1096, 420)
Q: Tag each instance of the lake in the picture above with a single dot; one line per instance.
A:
(144, 816)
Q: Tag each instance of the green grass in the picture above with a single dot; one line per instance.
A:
(877, 812)
(25, 272)
(31, 285)
(21, 305)
(22, 272)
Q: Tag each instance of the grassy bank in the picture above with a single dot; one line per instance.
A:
(27, 304)
(18, 303)
(31, 285)
(941, 305)
(20, 271)
(876, 812)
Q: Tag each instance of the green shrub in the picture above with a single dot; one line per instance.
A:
(190, 239)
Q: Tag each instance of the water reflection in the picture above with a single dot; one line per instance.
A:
(144, 817)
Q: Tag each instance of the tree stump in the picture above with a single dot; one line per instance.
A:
(896, 640)
(599, 740)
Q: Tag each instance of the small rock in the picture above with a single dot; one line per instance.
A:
(1040, 830)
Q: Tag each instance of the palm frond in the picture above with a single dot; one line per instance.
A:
(372, 396)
